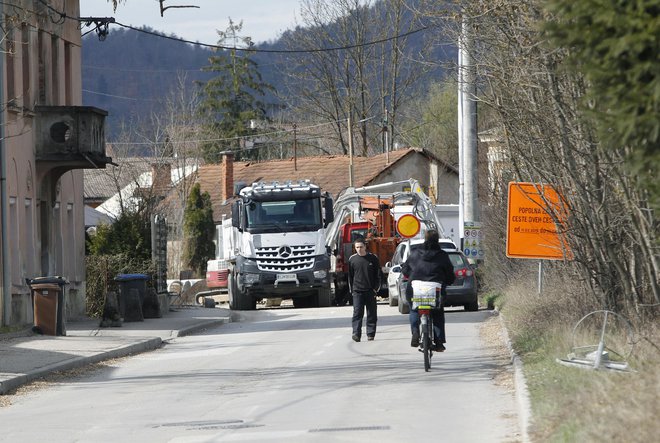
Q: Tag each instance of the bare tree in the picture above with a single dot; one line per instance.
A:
(547, 137)
(156, 169)
(359, 81)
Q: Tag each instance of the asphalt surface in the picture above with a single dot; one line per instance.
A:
(26, 356)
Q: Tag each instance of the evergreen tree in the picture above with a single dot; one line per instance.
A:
(233, 98)
(129, 235)
(615, 45)
(198, 231)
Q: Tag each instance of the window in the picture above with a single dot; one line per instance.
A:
(10, 48)
(43, 88)
(28, 247)
(14, 248)
(55, 69)
(25, 63)
(68, 87)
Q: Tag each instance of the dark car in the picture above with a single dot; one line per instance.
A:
(463, 292)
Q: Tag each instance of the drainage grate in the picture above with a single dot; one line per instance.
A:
(357, 428)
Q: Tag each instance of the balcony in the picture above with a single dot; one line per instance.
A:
(70, 137)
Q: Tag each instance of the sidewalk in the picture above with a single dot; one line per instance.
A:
(28, 356)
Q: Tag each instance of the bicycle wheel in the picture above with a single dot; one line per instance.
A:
(426, 342)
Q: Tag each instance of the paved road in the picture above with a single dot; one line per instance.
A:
(281, 375)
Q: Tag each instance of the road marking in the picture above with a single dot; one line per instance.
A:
(263, 436)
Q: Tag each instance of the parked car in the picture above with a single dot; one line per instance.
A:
(463, 292)
(400, 256)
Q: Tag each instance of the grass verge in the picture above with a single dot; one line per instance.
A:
(575, 404)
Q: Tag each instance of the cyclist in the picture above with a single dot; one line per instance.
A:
(429, 263)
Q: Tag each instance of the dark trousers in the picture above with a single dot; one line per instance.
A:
(360, 301)
(438, 316)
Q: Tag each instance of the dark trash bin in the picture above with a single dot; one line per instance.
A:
(49, 304)
(132, 291)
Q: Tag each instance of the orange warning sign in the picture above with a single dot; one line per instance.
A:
(535, 222)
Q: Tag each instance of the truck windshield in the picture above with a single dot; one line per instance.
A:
(284, 216)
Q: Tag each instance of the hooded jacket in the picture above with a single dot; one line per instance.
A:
(429, 265)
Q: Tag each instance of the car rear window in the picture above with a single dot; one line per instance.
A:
(456, 260)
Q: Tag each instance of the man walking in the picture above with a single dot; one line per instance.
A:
(364, 277)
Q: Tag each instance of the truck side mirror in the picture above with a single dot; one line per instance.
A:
(329, 215)
(236, 215)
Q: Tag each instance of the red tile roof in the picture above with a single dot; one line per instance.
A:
(329, 172)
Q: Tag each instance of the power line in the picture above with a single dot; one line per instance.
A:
(237, 138)
(119, 96)
(105, 68)
(102, 25)
(276, 51)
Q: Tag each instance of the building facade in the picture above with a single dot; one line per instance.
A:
(47, 139)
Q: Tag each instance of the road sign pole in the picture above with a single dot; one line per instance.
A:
(540, 277)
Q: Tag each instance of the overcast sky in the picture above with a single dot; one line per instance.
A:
(262, 19)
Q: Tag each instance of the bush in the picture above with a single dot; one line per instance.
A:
(101, 273)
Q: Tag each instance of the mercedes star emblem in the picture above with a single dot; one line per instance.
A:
(285, 252)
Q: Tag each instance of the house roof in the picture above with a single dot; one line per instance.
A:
(101, 184)
(94, 217)
(329, 172)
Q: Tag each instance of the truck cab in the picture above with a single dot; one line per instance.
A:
(279, 245)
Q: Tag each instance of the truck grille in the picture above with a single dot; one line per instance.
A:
(285, 258)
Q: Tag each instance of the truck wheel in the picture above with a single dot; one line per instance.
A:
(324, 298)
(237, 299)
(341, 297)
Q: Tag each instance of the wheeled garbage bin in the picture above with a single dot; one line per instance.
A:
(49, 304)
(132, 290)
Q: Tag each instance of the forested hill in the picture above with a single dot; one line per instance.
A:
(130, 72)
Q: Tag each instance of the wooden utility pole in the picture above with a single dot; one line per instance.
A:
(295, 147)
(350, 153)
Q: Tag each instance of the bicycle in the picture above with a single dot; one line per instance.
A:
(426, 296)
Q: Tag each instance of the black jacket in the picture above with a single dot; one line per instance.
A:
(364, 273)
(429, 265)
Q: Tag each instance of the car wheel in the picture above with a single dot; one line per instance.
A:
(404, 308)
(394, 301)
(474, 306)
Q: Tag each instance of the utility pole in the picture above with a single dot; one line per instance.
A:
(295, 147)
(386, 143)
(6, 275)
(350, 153)
(467, 131)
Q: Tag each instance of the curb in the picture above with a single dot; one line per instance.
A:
(520, 383)
(199, 327)
(78, 362)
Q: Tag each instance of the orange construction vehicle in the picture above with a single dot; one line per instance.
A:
(377, 227)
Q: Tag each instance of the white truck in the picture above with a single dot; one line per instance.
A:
(277, 245)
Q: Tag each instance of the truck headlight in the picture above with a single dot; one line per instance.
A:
(320, 274)
(250, 279)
